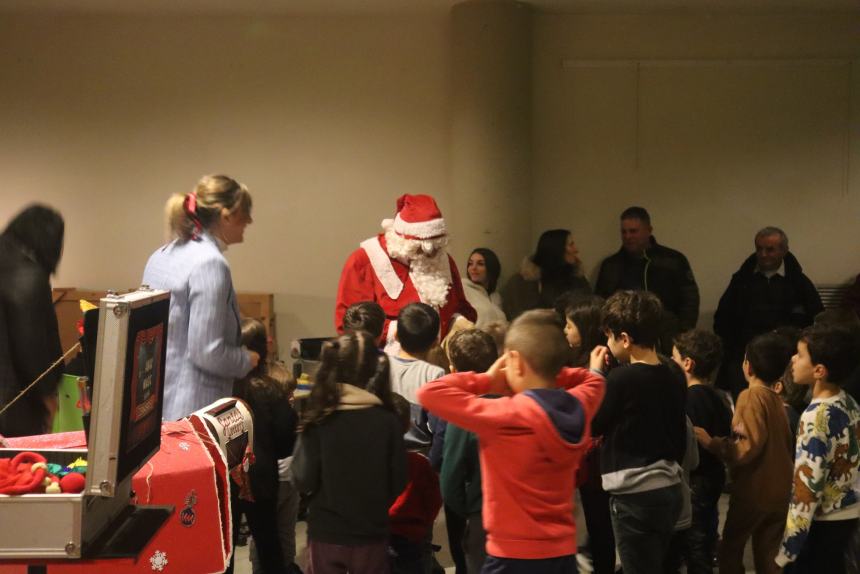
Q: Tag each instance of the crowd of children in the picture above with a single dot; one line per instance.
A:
(502, 436)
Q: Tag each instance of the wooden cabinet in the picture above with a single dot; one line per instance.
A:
(259, 306)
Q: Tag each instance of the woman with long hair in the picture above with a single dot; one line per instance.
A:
(480, 285)
(275, 424)
(30, 250)
(553, 270)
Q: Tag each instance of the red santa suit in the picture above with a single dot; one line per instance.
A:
(371, 274)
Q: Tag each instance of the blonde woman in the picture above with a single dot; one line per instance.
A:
(204, 353)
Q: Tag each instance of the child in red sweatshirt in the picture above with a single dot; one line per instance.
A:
(530, 443)
(412, 515)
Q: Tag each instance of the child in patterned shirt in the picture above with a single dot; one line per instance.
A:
(824, 506)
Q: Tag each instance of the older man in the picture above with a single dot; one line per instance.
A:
(643, 265)
(768, 291)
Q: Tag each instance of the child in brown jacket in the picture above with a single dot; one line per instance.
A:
(760, 459)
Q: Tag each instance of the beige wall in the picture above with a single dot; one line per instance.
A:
(718, 124)
(326, 119)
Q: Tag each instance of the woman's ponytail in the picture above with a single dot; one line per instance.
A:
(189, 214)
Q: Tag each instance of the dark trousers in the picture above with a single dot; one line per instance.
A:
(825, 548)
(560, 565)
(644, 523)
(262, 519)
(598, 522)
(410, 557)
(456, 526)
(287, 510)
(326, 558)
(702, 536)
(475, 543)
(674, 556)
(852, 557)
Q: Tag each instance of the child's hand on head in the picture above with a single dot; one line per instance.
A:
(599, 358)
(498, 376)
(702, 436)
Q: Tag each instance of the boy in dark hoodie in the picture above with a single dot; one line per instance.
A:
(530, 443)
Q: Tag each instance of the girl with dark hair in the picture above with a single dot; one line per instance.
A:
(350, 459)
(583, 329)
(583, 326)
(274, 435)
(204, 355)
(553, 270)
(482, 276)
(30, 250)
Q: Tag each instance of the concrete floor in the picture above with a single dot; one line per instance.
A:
(243, 566)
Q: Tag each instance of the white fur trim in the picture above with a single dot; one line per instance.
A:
(381, 263)
(392, 345)
(432, 279)
(431, 276)
(420, 229)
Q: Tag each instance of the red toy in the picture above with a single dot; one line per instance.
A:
(23, 474)
(73, 483)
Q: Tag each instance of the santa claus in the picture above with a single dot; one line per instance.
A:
(404, 264)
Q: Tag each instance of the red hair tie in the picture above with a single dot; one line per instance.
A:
(190, 206)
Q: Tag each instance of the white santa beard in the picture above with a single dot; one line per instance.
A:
(431, 276)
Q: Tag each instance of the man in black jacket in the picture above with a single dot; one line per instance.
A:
(643, 265)
(768, 291)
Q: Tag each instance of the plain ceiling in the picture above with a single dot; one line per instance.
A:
(286, 7)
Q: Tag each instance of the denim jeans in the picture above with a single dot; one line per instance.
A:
(644, 523)
(702, 536)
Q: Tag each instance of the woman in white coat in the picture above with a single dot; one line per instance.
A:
(482, 276)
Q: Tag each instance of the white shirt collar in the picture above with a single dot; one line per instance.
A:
(778, 271)
(222, 245)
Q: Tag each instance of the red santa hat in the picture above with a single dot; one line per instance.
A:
(418, 217)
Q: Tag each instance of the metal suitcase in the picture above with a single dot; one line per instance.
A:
(125, 431)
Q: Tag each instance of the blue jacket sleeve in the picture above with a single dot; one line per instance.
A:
(209, 320)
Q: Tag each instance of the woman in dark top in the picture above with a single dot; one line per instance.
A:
(30, 249)
(554, 269)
